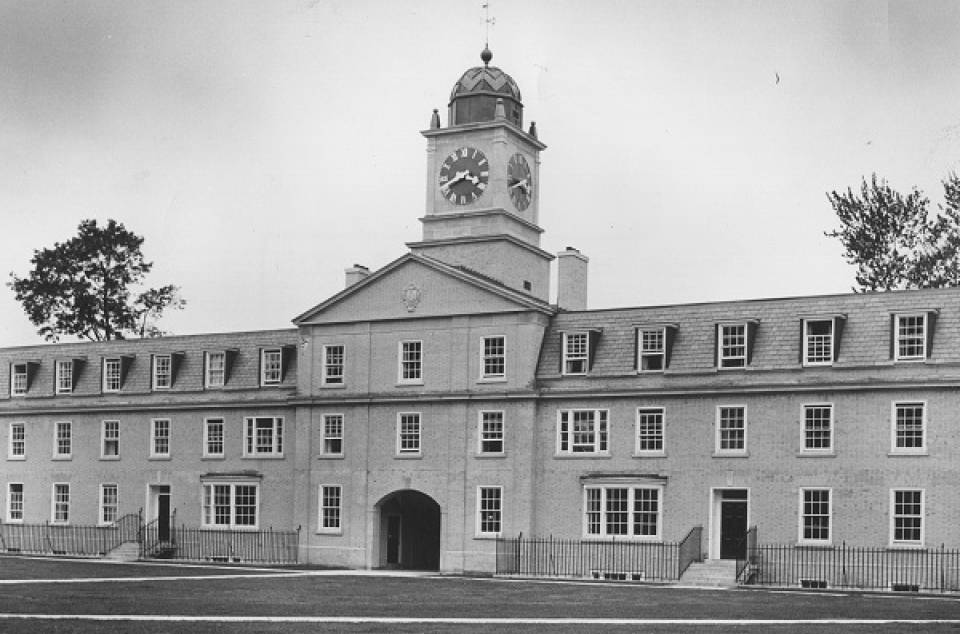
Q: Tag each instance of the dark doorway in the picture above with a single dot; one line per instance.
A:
(733, 524)
(409, 531)
(163, 513)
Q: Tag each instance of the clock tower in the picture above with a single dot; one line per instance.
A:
(483, 184)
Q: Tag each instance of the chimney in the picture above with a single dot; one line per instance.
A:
(356, 273)
(572, 279)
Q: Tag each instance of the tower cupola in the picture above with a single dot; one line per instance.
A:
(474, 96)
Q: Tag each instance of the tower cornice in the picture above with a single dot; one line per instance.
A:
(484, 125)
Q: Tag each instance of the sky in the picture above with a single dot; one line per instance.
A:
(263, 147)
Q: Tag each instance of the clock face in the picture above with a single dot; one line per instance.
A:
(519, 181)
(463, 176)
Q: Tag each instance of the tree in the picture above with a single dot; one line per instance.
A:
(83, 287)
(893, 240)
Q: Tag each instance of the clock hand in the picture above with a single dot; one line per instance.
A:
(456, 179)
(523, 184)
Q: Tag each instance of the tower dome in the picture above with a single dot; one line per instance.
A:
(474, 96)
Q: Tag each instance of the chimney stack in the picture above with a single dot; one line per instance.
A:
(572, 279)
(356, 273)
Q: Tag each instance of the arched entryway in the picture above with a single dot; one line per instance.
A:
(409, 524)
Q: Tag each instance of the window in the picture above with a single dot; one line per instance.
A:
(582, 431)
(271, 366)
(110, 439)
(112, 369)
(815, 515)
(818, 428)
(629, 511)
(908, 428)
(109, 503)
(264, 437)
(160, 438)
(62, 440)
(910, 337)
(18, 379)
(333, 434)
(213, 438)
(906, 517)
(162, 371)
(652, 349)
(491, 432)
(334, 358)
(732, 430)
(576, 352)
(649, 430)
(818, 341)
(489, 511)
(17, 449)
(408, 434)
(216, 374)
(15, 502)
(64, 378)
(60, 513)
(331, 508)
(230, 505)
(732, 345)
(411, 362)
(494, 358)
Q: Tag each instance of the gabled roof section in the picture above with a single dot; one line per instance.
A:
(416, 285)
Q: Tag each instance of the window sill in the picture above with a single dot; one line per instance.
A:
(488, 536)
(582, 455)
(214, 457)
(721, 454)
(109, 458)
(622, 538)
(266, 456)
(160, 458)
(409, 456)
(330, 532)
(650, 454)
(811, 545)
(906, 547)
(491, 455)
(409, 383)
(816, 454)
(228, 527)
(63, 458)
(492, 379)
(16, 458)
(907, 454)
(331, 456)
(332, 386)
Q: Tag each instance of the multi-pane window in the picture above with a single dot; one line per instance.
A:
(817, 341)
(732, 429)
(649, 430)
(732, 345)
(17, 449)
(652, 349)
(910, 337)
(334, 358)
(818, 428)
(264, 437)
(271, 366)
(110, 438)
(907, 516)
(908, 427)
(15, 502)
(230, 505)
(216, 369)
(627, 511)
(408, 433)
(64, 376)
(63, 439)
(162, 371)
(60, 513)
(109, 503)
(494, 357)
(576, 352)
(112, 370)
(489, 511)
(333, 434)
(331, 508)
(491, 432)
(18, 379)
(582, 431)
(160, 438)
(815, 515)
(411, 361)
(213, 438)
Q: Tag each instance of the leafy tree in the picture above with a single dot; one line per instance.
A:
(892, 238)
(83, 287)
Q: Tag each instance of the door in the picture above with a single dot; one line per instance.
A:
(733, 529)
(393, 539)
(163, 514)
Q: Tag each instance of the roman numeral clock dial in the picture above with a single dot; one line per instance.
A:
(463, 176)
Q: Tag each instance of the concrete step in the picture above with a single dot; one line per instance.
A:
(127, 551)
(711, 573)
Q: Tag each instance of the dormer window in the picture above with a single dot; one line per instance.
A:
(653, 347)
(216, 369)
(735, 344)
(19, 374)
(162, 371)
(576, 352)
(911, 338)
(64, 378)
(112, 374)
(271, 366)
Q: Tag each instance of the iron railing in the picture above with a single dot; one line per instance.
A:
(623, 560)
(928, 570)
(747, 564)
(76, 541)
(689, 550)
(201, 544)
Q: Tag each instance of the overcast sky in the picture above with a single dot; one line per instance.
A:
(263, 147)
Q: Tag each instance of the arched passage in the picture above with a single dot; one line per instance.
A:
(409, 524)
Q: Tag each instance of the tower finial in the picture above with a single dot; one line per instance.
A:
(486, 55)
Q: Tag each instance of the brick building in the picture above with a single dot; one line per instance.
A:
(442, 401)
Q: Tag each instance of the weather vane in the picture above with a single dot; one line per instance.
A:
(487, 21)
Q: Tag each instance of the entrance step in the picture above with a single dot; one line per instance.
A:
(711, 573)
(127, 551)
